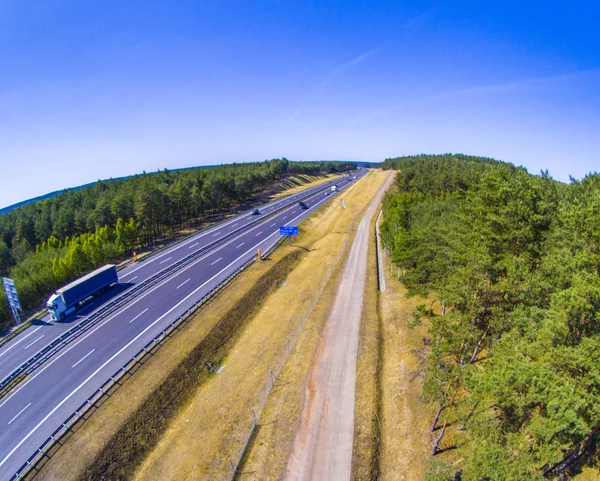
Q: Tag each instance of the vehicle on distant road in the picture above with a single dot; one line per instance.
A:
(334, 188)
(255, 212)
(67, 299)
(302, 205)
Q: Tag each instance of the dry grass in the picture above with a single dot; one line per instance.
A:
(366, 450)
(278, 423)
(406, 440)
(91, 436)
(298, 183)
(141, 432)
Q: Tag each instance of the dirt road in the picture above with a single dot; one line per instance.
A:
(323, 444)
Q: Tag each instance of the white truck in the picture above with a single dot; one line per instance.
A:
(334, 188)
(67, 299)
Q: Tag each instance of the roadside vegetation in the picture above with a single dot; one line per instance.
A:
(45, 244)
(513, 344)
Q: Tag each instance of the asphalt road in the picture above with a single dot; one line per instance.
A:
(34, 409)
(41, 333)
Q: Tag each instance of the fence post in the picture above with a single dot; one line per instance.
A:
(272, 378)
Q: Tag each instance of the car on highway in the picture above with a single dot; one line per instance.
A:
(255, 212)
(302, 205)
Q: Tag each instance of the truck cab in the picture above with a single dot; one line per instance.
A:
(56, 307)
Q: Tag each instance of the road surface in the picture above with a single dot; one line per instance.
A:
(19, 349)
(38, 406)
(322, 447)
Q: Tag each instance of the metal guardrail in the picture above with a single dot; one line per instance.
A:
(30, 464)
(69, 336)
(57, 435)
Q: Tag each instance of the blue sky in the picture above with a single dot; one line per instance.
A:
(92, 90)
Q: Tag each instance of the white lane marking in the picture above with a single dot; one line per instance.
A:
(240, 245)
(20, 412)
(83, 358)
(32, 343)
(72, 393)
(235, 224)
(184, 283)
(23, 338)
(273, 224)
(194, 245)
(208, 231)
(48, 365)
(141, 313)
(258, 234)
(216, 261)
(215, 235)
(132, 279)
(166, 260)
(122, 277)
(284, 217)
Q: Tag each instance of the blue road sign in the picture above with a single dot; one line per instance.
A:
(288, 230)
(12, 297)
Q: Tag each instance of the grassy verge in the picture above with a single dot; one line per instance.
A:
(279, 420)
(367, 411)
(135, 439)
(406, 441)
(89, 437)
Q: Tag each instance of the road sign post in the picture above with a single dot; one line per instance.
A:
(13, 298)
(288, 230)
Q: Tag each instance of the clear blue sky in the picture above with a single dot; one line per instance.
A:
(94, 89)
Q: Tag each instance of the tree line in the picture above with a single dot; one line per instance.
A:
(47, 243)
(513, 348)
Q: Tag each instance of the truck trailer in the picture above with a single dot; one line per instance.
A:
(334, 188)
(67, 299)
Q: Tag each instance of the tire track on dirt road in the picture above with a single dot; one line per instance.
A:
(323, 443)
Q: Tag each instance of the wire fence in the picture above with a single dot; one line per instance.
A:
(113, 381)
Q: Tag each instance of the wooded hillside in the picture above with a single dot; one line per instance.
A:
(45, 244)
(514, 345)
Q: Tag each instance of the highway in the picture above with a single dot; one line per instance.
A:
(22, 347)
(38, 405)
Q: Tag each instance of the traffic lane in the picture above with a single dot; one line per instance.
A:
(19, 356)
(18, 351)
(84, 389)
(198, 270)
(226, 227)
(95, 347)
(37, 423)
(197, 242)
(206, 267)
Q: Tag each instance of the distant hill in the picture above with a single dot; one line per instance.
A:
(4, 210)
